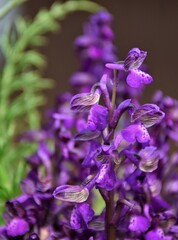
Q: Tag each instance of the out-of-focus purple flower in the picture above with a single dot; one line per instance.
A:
(34, 236)
(17, 227)
(157, 234)
(139, 224)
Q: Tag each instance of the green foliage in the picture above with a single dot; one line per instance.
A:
(21, 82)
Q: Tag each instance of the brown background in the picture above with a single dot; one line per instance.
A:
(151, 25)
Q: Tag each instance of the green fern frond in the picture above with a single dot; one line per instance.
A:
(21, 82)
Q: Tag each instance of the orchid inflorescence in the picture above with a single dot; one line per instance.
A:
(101, 141)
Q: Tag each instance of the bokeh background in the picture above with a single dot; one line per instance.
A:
(150, 25)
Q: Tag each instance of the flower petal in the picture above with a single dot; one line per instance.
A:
(98, 118)
(139, 223)
(156, 234)
(149, 159)
(81, 215)
(134, 59)
(148, 114)
(115, 66)
(84, 101)
(17, 227)
(106, 177)
(136, 132)
(87, 135)
(136, 78)
(71, 193)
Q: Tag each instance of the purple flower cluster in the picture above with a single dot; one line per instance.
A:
(101, 141)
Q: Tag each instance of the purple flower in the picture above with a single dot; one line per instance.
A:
(70, 173)
(136, 78)
(157, 234)
(17, 227)
(148, 114)
(106, 177)
(81, 215)
(136, 132)
(139, 224)
(98, 118)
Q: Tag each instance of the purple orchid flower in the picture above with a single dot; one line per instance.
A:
(136, 78)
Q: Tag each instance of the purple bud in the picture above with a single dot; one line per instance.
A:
(105, 92)
(68, 193)
(84, 101)
(148, 114)
(102, 17)
(134, 59)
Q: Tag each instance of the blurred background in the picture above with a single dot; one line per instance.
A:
(150, 25)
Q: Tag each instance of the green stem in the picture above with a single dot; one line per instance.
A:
(10, 6)
(110, 228)
(110, 205)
